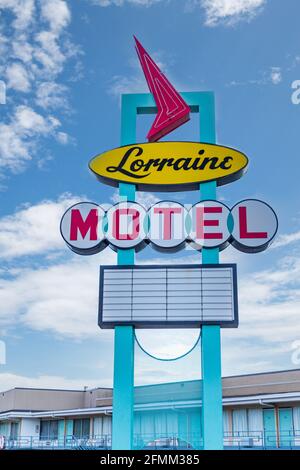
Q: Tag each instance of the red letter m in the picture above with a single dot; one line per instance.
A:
(89, 224)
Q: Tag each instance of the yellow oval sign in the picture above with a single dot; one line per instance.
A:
(169, 165)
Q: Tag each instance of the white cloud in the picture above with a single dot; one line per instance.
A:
(51, 95)
(150, 371)
(34, 229)
(120, 85)
(62, 298)
(136, 83)
(57, 296)
(57, 13)
(286, 239)
(146, 199)
(23, 10)
(118, 3)
(49, 54)
(271, 76)
(19, 138)
(270, 304)
(17, 77)
(48, 19)
(10, 380)
(22, 49)
(230, 11)
(168, 344)
(2, 92)
(26, 118)
(34, 47)
(63, 138)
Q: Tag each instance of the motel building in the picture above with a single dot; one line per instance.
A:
(260, 411)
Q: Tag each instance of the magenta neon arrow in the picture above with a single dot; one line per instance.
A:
(172, 109)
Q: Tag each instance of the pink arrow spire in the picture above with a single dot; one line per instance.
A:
(172, 109)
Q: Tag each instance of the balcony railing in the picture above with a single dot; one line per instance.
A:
(232, 440)
(67, 442)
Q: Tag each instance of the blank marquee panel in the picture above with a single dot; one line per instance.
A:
(168, 296)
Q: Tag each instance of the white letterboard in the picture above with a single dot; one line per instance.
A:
(168, 296)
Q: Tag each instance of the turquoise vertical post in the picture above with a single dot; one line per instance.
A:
(123, 394)
(212, 414)
(123, 391)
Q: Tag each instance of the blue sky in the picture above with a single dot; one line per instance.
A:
(65, 65)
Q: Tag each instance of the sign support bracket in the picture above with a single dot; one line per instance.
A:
(123, 390)
(123, 394)
(212, 411)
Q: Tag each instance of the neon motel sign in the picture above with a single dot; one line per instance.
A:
(87, 227)
(250, 226)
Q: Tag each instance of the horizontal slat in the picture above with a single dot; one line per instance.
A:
(149, 300)
(116, 288)
(217, 306)
(209, 288)
(125, 315)
(149, 287)
(116, 273)
(149, 274)
(216, 313)
(123, 294)
(117, 301)
(148, 314)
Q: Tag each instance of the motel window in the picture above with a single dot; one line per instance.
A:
(255, 421)
(240, 422)
(14, 430)
(296, 419)
(81, 428)
(49, 430)
(4, 429)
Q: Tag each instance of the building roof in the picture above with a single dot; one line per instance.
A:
(280, 386)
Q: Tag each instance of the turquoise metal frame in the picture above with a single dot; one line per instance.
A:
(123, 392)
